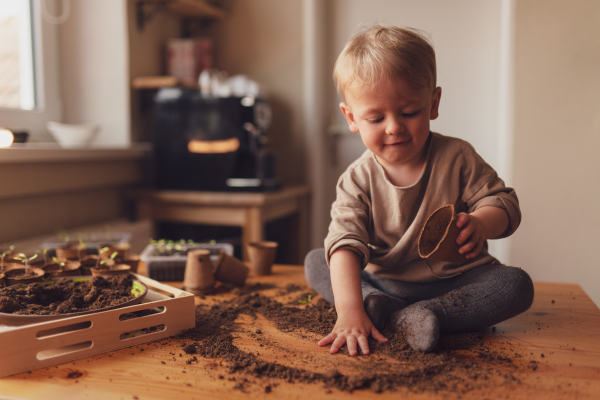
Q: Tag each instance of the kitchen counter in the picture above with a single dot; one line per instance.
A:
(53, 152)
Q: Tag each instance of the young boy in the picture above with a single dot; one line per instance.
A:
(370, 267)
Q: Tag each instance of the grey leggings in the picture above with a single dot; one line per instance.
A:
(474, 300)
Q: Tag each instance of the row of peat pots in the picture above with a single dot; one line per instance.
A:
(74, 260)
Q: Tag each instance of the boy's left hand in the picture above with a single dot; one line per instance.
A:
(471, 236)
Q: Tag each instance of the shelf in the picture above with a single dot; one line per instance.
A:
(185, 8)
(157, 82)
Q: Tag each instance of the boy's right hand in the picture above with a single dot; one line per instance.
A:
(352, 327)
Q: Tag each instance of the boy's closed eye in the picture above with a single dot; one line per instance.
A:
(404, 115)
(411, 114)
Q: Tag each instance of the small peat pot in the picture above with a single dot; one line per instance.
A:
(133, 260)
(438, 237)
(230, 270)
(262, 255)
(116, 269)
(1, 280)
(91, 261)
(55, 270)
(73, 251)
(18, 276)
(198, 278)
(120, 248)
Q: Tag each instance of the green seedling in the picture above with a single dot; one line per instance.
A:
(112, 257)
(61, 264)
(81, 242)
(7, 252)
(307, 300)
(45, 256)
(102, 250)
(63, 236)
(23, 258)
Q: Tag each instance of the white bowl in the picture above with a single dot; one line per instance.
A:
(73, 135)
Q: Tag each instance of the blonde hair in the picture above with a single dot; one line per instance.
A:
(385, 51)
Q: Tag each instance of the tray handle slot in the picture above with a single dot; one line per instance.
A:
(142, 313)
(63, 329)
(61, 351)
(143, 332)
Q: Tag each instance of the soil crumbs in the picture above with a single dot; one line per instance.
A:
(461, 362)
(67, 296)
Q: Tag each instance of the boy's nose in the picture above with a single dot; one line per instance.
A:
(395, 126)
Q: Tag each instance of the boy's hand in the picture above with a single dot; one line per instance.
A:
(352, 327)
(471, 236)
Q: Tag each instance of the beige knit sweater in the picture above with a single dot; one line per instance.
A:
(382, 222)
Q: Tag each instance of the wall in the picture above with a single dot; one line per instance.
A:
(147, 58)
(557, 141)
(466, 35)
(94, 68)
(263, 40)
(48, 188)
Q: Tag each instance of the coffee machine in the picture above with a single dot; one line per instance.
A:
(212, 143)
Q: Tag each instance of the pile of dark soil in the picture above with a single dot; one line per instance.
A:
(461, 362)
(66, 296)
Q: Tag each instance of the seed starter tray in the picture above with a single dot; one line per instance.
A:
(172, 267)
(164, 312)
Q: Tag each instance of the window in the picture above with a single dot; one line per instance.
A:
(29, 67)
(17, 82)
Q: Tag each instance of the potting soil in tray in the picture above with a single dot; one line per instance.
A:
(68, 296)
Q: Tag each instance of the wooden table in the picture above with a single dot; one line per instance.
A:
(563, 324)
(250, 211)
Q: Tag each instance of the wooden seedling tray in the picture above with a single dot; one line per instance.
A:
(164, 312)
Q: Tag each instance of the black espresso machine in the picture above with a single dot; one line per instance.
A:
(212, 143)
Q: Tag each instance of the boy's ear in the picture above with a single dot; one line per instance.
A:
(349, 117)
(435, 103)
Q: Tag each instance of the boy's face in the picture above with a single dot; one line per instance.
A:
(393, 120)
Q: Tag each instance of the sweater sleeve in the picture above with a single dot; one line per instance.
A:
(350, 218)
(484, 188)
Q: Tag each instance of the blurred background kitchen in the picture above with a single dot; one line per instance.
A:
(520, 82)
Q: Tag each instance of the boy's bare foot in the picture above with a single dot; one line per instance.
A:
(380, 306)
(421, 327)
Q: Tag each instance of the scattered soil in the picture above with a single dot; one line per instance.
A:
(461, 362)
(66, 296)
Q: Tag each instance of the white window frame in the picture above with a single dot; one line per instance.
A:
(47, 76)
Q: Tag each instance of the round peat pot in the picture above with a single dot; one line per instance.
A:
(91, 261)
(133, 260)
(71, 268)
(229, 269)
(120, 248)
(1, 280)
(438, 237)
(16, 276)
(116, 269)
(72, 252)
(262, 255)
(198, 278)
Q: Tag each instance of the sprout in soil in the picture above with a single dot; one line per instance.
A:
(102, 250)
(82, 245)
(45, 258)
(61, 264)
(63, 236)
(307, 300)
(112, 257)
(7, 252)
(23, 258)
